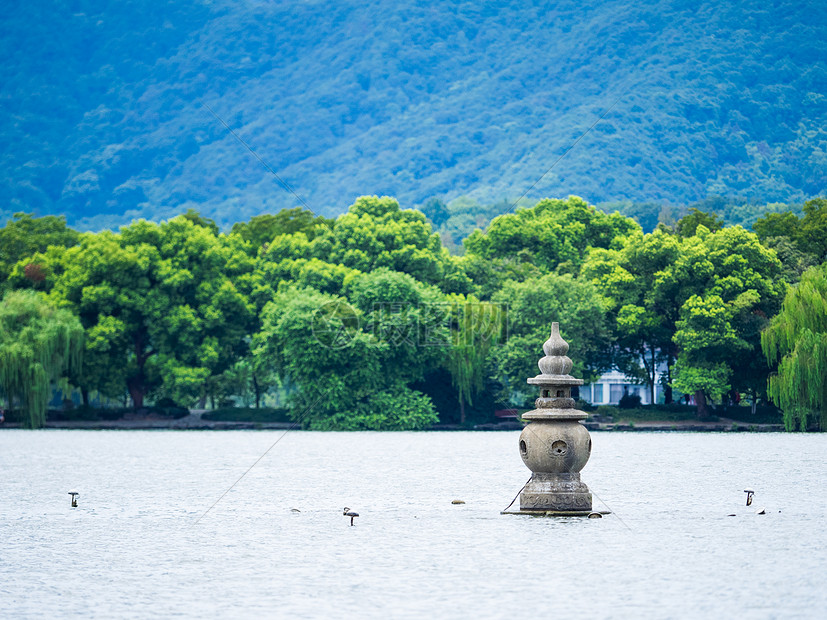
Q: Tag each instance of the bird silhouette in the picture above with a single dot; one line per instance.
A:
(349, 513)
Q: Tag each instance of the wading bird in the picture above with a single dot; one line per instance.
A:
(349, 513)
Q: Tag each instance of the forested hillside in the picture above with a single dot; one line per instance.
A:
(103, 114)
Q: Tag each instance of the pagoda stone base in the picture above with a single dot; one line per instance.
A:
(563, 493)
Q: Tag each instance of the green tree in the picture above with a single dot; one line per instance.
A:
(204, 222)
(199, 330)
(749, 280)
(111, 289)
(551, 233)
(376, 232)
(313, 272)
(396, 409)
(663, 290)
(794, 261)
(532, 307)
(262, 376)
(489, 275)
(706, 339)
(25, 236)
(688, 224)
(797, 248)
(812, 233)
(796, 340)
(38, 344)
(407, 317)
(436, 211)
(165, 307)
(643, 318)
(262, 229)
(248, 379)
(772, 225)
(343, 375)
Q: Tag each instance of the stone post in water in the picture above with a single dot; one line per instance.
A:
(555, 445)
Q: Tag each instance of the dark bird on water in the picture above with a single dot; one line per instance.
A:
(349, 513)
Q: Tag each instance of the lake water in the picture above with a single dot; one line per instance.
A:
(135, 548)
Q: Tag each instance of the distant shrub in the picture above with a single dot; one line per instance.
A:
(86, 413)
(247, 414)
(15, 416)
(656, 413)
(167, 408)
(765, 414)
(629, 401)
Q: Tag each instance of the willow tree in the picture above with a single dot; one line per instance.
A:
(38, 344)
(476, 326)
(796, 339)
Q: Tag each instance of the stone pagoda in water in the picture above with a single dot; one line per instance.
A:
(555, 445)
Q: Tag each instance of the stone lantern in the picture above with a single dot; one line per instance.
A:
(554, 445)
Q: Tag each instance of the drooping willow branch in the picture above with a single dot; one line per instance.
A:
(478, 325)
(797, 340)
(38, 344)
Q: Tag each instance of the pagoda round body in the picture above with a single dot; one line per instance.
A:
(554, 445)
(561, 447)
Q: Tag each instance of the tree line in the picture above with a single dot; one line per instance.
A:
(366, 321)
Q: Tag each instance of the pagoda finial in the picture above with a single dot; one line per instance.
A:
(555, 361)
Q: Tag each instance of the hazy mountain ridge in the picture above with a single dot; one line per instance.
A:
(104, 122)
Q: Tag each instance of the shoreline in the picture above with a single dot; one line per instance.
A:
(195, 422)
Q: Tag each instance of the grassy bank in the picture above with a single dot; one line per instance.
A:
(685, 413)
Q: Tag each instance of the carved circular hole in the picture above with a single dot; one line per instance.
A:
(523, 448)
(559, 448)
(590, 446)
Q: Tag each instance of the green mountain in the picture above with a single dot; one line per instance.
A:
(106, 105)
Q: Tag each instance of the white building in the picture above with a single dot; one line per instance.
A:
(611, 387)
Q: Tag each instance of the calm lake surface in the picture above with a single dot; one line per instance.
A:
(133, 547)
